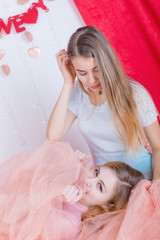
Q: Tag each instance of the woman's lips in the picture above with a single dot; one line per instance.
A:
(95, 86)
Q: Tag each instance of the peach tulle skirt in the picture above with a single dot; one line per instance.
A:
(31, 185)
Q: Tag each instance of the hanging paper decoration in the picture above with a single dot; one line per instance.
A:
(34, 52)
(22, 1)
(29, 17)
(1, 54)
(5, 69)
(29, 36)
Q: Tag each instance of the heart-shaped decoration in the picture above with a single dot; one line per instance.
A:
(2, 53)
(34, 52)
(30, 16)
(22, 2)
(29, 36)
(5, 69)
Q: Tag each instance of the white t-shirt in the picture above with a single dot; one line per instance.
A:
(96, 125)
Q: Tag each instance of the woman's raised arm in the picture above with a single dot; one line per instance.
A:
(61, 118)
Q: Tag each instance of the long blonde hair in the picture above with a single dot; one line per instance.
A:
(128, 177)
(89, 42)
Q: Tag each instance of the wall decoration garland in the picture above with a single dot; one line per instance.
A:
(22, 1)
(5, 69)
(2, 53)
(29, 17)
(29, 36)
(34, 52)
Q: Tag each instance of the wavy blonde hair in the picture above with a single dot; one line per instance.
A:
(89, 42)
(128, 177)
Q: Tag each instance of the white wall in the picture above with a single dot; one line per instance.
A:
(29, 92)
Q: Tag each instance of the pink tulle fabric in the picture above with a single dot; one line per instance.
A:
(31, 207)
(31, 186)
(140, 220)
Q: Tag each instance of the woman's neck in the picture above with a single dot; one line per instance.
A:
(97, 99)
(83, 203)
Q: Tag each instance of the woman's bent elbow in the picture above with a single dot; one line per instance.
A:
(53, 137)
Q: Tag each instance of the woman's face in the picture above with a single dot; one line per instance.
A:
(87, 72)
(100, 186)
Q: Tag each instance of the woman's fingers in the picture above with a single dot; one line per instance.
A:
(77, 197)
(65, 66)
(61, 57)
(62, 54)
(72, 194)
(79, 154)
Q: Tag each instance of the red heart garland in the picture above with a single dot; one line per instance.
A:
(31, 16)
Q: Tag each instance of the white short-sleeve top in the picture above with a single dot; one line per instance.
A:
(95, 123)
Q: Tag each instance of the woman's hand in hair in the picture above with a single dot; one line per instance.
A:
(72, 194)
(65, 67)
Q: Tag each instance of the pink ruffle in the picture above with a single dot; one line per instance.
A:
(31, 185)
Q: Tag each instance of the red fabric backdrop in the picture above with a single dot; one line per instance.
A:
(133, 29)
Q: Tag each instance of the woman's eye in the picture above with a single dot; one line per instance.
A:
(100, 186)
(82, 74)
(96, 172)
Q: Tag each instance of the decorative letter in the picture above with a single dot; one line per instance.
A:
(29, 17)
(7, 28)
(17, 22)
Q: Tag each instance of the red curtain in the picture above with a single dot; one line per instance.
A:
(133, 29)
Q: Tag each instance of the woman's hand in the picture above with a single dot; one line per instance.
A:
(65, 67)
(72, 194)
(79, 154)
